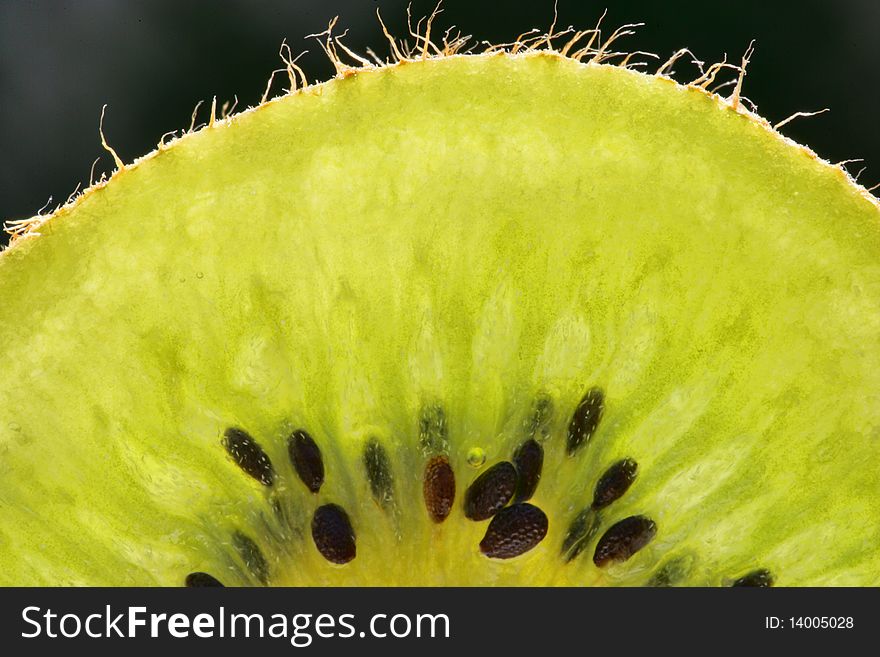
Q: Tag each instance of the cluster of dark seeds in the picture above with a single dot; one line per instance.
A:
(613, 483)
(500, 494)
(516, 529)
(625, 537)
(332, 531)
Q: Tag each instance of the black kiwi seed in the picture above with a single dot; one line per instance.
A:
(196, 580)
(333, 534)
(581, 531)
(433, 432)
(670, 573)
(305, 455)
(490, 492)
(439, 488)
(277, 508)
(528, 459)
(542, 413)
(249, 456)
(614, 482)
(759, 578)
(379, 472)
(623, 539)
(585, 419)
(514, 531)
(252, 556)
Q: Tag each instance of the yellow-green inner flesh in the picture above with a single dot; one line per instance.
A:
(471, 232)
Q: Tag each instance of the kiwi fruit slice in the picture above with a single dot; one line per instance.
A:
(495, 319)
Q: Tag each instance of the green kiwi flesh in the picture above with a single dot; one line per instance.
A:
(284, 349)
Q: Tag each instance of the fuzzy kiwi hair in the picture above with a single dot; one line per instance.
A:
(525, 316)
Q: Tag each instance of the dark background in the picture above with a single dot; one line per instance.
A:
(151, 62)
(520, 622)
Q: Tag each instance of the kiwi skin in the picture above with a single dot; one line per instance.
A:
(329, 526)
